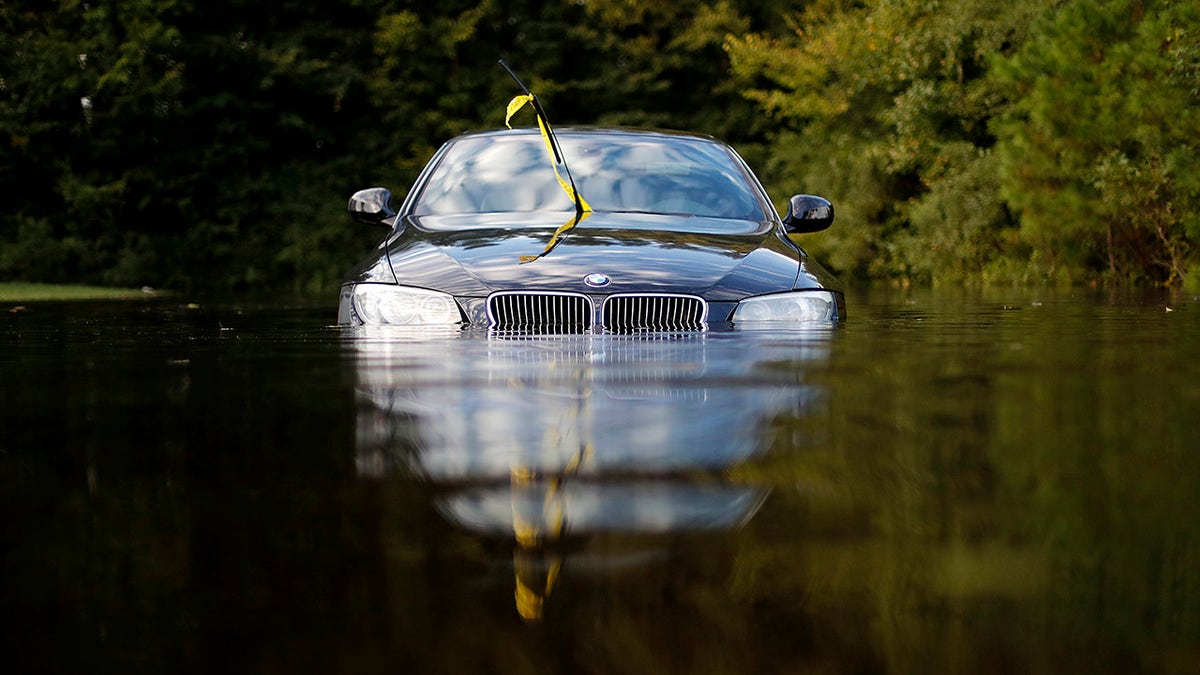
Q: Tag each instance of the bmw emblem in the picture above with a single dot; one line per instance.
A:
(597, 280)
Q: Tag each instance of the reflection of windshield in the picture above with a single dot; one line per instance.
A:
(468, 410)
(665, 174)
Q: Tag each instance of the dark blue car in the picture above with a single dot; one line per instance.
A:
(648, 231)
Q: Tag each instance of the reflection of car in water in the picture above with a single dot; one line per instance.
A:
(553, 440)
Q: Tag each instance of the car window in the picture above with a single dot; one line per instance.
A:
(490, 174)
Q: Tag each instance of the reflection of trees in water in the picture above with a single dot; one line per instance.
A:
(969, 519)
(918, 515)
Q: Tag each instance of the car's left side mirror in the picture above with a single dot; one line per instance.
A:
(372, 206)
(808, 213)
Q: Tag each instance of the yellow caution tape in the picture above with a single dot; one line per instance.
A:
(583, 208)
(520, 101)
(575, 220)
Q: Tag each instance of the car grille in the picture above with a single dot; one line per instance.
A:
(654, 312)
(537, 310)
(573, 311)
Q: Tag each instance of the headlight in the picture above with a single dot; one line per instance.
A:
(380, 304)
(795, 307)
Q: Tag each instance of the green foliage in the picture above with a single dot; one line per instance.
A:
(177, 143)
(973, 141)
(1098, 149)
(886, 106)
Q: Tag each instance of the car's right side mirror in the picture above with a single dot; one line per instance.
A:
(808, 213)
(372, 206)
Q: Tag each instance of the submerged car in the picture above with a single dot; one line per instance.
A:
(646, 231)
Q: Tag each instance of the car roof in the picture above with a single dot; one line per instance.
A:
(576, 131)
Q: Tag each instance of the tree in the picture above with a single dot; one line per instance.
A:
(169, 142)
(87, 91)
(1098, 150)
(885, 107)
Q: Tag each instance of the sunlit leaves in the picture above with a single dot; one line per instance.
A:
(899, 103)
(1093, 149)
(884, 97)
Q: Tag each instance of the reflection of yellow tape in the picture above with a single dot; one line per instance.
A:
(520, 101)
(530, 598)
(530, 535)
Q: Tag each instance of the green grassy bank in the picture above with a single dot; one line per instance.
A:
(26, 292)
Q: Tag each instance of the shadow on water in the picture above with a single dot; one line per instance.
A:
(948, 483)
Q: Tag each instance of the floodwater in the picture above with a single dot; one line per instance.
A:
(951, 482)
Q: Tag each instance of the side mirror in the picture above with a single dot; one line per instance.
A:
(372, 206)
(807, 213)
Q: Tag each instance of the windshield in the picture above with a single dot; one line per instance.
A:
(644, 174)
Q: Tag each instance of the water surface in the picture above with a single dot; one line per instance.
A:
(950, 482)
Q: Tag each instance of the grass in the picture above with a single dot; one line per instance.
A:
(23, 292)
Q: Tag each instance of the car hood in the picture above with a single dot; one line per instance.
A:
(481, 253)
